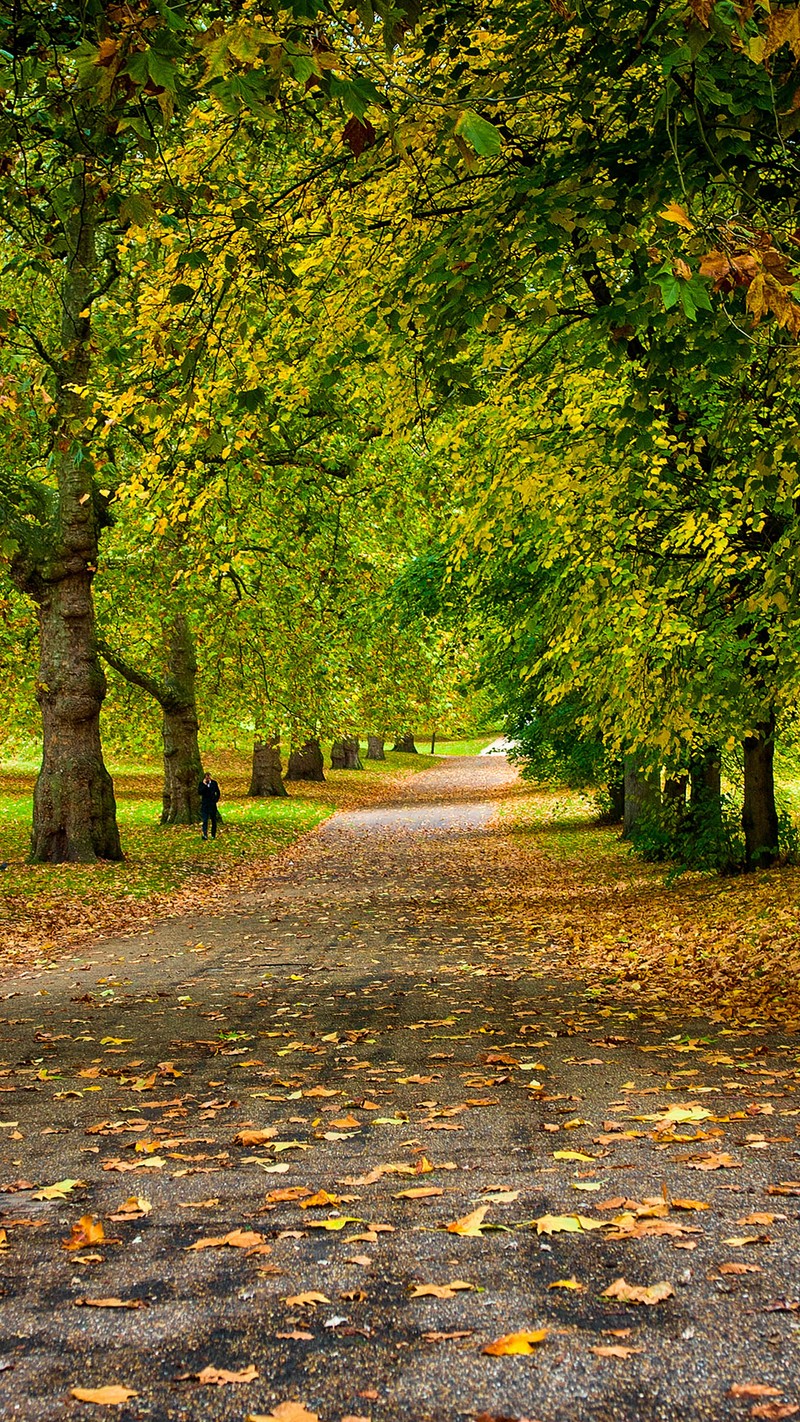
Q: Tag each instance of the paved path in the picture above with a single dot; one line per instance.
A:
(380, 1007)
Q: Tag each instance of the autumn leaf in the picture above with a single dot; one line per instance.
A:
(613, 1350)
(717, 1160)
(638, 1294)
(571, 1155)
(567, 1224)
(512, 1343)
(210, 1376)
(256, 1138)
(469, 1224)
(694, 1205)
(439, 1291)
(572, 1284)
(87, 1231)
(59, 1190)
(673, 212)
(109, 1396)
(284, 1412)
(136, 1207)
(753, 1390)
(110, 1303)
(235, 1239)
(421, 1193)
(735, 1268)
(321, 1198)
(306, 1300)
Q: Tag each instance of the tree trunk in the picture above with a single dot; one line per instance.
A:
(375, 749)
(642, 794)
(266, 779)
(338, 756)
(352, 753)
(615, 787)
(675, 790)
(433, 742)
(183, 768)
(74, 813)
(406, 743)
(759, 815)
(306, 763)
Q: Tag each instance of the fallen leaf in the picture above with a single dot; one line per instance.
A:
(567, 1224)
(110, 1396)
(637, 1293)
(567, 1284)
(693, 1205)
(512, 1343)
(284, 1412)
(422, 1193)
(110, 1303)
(717, 1160)
(469, 1224)
(753, 1390)
(87, 1231)
(303, 1300)
(134, 1208)
(439, 1291)
(256, 1138)
(217, 1376)
(740, 1268)
(775, 1411)
(296, 1335)
(738, 1241)
(321, 1198)
(614, 1350)
(59, 1190)
(235, 1239)
(572, 1155)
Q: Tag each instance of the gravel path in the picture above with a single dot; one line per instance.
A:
(379, 1008)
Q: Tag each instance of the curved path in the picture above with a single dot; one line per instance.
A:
(380, 1019)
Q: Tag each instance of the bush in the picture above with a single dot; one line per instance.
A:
(708, 836)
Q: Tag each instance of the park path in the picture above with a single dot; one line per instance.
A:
(382, 1017)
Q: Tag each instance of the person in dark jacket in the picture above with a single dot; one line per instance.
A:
(209, 795)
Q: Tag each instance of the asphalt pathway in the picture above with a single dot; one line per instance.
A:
(382, 1017)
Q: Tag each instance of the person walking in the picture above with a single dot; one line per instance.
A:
(209, 795)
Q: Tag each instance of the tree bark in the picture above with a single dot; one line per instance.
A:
(615, 787)
(642, 794)
(74, 813)
(306, 763)
(338, 757)
(375, 748)
(352, 753)
(675, 790)
(176, 695)
(406, 743)
(266, 778)
(759, 814)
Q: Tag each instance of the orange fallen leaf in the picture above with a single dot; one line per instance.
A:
(753, 1390)
(304, 1299)
(692, 1205)
(134, 1208)
(290, 1192)
(614, 1350)
(567, 1284)
(321, 1198)
(284, 1412)
(235, 1239)
(638, 1293)
(775, 1411)
(512, 1343)
(717, 1160)
(439, 1291)
(87, 1231)
(740, 1268)
(469, 1224)
(421, 1193)
(217, 1376)
(110, 1396)
(110, 1303)
(256, 1138)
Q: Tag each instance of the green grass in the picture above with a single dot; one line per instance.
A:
(470, 745)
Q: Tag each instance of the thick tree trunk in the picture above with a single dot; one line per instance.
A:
(375, 745)
(183, 768)
(352, 753)
(759, 814)
(615, 787)
(406, 743)
(675, 790)
(74, 814)
(338, 757)
(306, 763)
(266, 778)
(642, 794)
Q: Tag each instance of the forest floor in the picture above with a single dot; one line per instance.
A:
(375, 1139)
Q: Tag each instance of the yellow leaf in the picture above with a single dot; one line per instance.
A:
(566, 1224)
(673, 212)
(59, 1190)
(571, 1155)
(567, 1284)
(336, 1222)
(512, 1343)
(469, 1224)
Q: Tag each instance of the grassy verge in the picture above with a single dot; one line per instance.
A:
(728, 949)
(46, 908)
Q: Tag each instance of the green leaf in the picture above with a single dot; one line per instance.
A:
(138, 209)
(161, 71)
(479, 133)
(180, 294)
